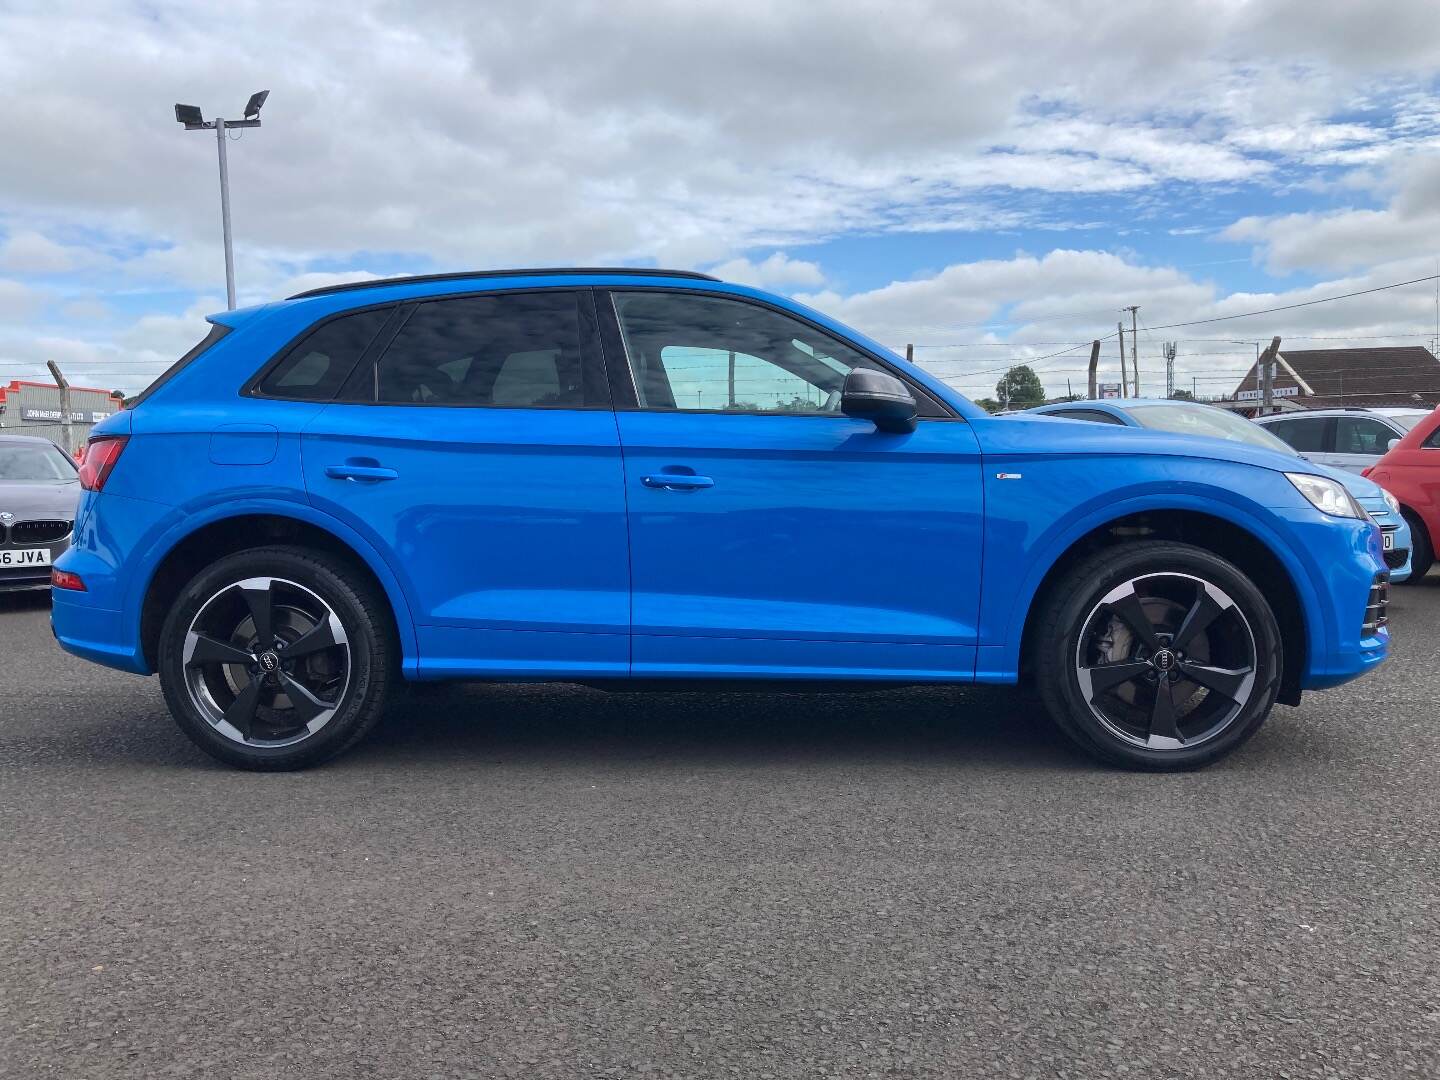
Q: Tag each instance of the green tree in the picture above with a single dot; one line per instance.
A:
(989, 404)
(1020, 388)
(1182, 395)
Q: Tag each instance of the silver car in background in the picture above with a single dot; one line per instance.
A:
(39, 490)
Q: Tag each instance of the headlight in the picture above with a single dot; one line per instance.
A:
(1327, 496)
(1391, 502)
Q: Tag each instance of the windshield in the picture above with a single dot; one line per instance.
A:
(37, 462)
(1406, 420)
(1182, 419)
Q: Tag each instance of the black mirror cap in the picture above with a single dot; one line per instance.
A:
(879, 397)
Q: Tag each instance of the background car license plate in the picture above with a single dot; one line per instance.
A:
(1387, 541)
(25, 557)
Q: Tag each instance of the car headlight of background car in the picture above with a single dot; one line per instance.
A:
(1327, 496)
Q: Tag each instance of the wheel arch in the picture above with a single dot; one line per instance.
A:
(215, 537)
(1242, 546)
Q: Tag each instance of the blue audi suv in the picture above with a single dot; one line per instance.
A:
(616, 476)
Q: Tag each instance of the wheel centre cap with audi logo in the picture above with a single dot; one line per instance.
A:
(1164, 660)
(269, 662)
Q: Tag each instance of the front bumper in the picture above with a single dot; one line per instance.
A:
(34, 576)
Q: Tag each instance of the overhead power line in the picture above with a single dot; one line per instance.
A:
(1307, 303)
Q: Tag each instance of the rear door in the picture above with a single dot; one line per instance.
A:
(770, 535)
(1313, 437)
(476, 447)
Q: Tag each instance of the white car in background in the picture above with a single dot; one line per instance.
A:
(1349, 439)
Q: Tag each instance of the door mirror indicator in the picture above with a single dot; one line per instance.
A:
(879, 397)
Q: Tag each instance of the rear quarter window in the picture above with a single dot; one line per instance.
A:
(316, 366)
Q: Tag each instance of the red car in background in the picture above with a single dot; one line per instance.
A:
(1410, 471)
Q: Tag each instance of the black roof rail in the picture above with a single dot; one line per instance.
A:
(420, 279)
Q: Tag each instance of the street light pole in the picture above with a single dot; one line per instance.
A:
(225, 215)
(191, 117)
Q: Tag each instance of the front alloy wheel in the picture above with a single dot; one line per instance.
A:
(1158, 655)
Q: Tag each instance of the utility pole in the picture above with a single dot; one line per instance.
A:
(1120, 329)
(732, 378)
(1266, 364)
(191, 117)
(66, 435)
(909, 354)
(1134, 310)
(1170, 349)
(1094, 362)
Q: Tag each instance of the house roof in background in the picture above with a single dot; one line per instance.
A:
(1400, 375)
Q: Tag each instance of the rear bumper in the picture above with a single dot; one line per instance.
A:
(94, 633)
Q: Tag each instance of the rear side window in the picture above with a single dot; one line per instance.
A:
(1093, 415)
(1305, 434)
(317, 365)
(1432, 441)
(515, 350)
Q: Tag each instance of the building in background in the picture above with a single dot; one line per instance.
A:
(1332, 378)
(33, 408)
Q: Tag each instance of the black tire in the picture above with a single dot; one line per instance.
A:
(1422, 551)
(1162, 576)
(342, 685)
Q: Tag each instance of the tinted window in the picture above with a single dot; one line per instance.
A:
(316, 366)
(703, 353)
(520, 350)
(1432, 441)
(1093, 415)
(1362, 435)
(1305, 434)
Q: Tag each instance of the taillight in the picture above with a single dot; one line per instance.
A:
(100, 456)
(64, 579)
(1367, 470)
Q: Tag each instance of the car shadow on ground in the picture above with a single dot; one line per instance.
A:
(555, 723)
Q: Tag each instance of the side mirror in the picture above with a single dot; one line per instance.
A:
(1392, 444)
(879, 397)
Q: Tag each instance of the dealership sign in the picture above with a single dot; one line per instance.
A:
(1278, 391)
(57, 416)
(1108, 390)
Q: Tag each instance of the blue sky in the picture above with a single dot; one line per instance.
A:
(977, 181)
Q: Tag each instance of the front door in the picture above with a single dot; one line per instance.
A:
(770, 535)
(478, 450)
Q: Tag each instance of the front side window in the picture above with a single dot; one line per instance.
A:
(1362, 435)
(710, 354)
(317, 365)
(516, 350)
(1305, 434)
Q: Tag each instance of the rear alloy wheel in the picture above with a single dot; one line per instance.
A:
(274, 660)
(1170, 657)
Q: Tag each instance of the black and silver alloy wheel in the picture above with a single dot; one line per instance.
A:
(277, 658)
(1166, 661)
(1157, 655)
(266, 662)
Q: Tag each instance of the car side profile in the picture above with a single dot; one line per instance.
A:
(1212, 422)
(1410, 471)
(1353, 439)
(624, 478)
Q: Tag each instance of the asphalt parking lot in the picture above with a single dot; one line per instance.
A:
(552, 881)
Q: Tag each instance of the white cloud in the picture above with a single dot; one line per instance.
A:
(779, 271)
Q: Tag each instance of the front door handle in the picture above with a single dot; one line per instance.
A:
(361, 473)
(677, 481)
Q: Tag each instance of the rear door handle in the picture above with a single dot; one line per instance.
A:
(367, 473)
(677, 481)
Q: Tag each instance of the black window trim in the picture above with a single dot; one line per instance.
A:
(593, 371)
(622, 386)
(252, 385)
